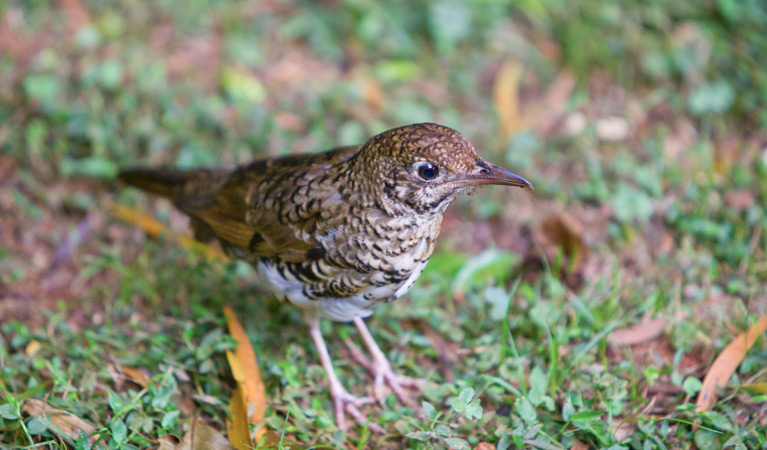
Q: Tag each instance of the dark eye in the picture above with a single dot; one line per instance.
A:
(427, 171)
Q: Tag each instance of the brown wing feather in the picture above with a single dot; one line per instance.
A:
(240, 215)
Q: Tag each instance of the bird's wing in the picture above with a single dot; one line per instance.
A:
(256, 212)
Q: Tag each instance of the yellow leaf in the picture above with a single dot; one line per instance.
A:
(726, 363)
(247, 373)
(154, 228)
(32, 348)
(760, 388)
(241, 84)
(506, 98)
(137, 218)
(238, 426)
(238, 373)
(67, 423)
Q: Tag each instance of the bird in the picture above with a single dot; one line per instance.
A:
(335, 233)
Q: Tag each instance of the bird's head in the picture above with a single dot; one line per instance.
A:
(423, 167)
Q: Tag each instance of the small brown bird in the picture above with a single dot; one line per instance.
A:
(335, 233)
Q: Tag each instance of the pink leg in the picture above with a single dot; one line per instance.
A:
(381, 369)
(343, 401)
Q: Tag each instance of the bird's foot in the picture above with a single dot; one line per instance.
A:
(384, 375)
(346, 403)
(343, 402)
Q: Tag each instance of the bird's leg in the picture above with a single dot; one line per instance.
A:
(381, 369)
(343, 401)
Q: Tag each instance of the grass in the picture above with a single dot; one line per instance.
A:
(642, 128)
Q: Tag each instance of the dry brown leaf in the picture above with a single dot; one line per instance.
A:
(740, 200)
(168, 442)
(154, 228)
(642, 332)
(69, 424)
(566, 231)
(250, 395)
(725, 364)
(506, 98)
(579, 446)
(563, 230)
(622, 430)
(373, 94)
(202, 437)
(484, 446)
(136, 376)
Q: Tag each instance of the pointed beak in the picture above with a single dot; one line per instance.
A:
(487, 173)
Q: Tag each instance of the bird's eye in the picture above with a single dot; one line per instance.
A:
(427, 171)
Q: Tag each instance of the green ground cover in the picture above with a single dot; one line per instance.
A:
(641, 124)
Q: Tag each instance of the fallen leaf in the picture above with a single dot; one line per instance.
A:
(740, 200)
(622, 430)
(373, 94)
(759, 388)
(154, 228)
(579, 446)
(563, 230)
(612, 128)
(642, 332)
(149, 224)
(242, 85)
(250, 387)
(506, 98)
(136, 376)
(202, 437)
(32, 347)
(238, 427)
(66, 423)
(484, 446)
(168, 442)
(725, 364)
(274, 441)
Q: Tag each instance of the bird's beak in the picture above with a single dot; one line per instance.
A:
(487, 173)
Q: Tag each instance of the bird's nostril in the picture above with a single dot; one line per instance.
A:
(483, 169)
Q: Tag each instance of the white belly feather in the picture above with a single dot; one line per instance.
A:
(288, 288)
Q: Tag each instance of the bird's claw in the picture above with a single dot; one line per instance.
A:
(346, 403)
(383, 375)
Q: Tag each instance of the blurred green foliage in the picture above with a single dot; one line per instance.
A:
(106, 92)
(192, 83)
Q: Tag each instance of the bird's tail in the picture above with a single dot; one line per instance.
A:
(177, 185)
